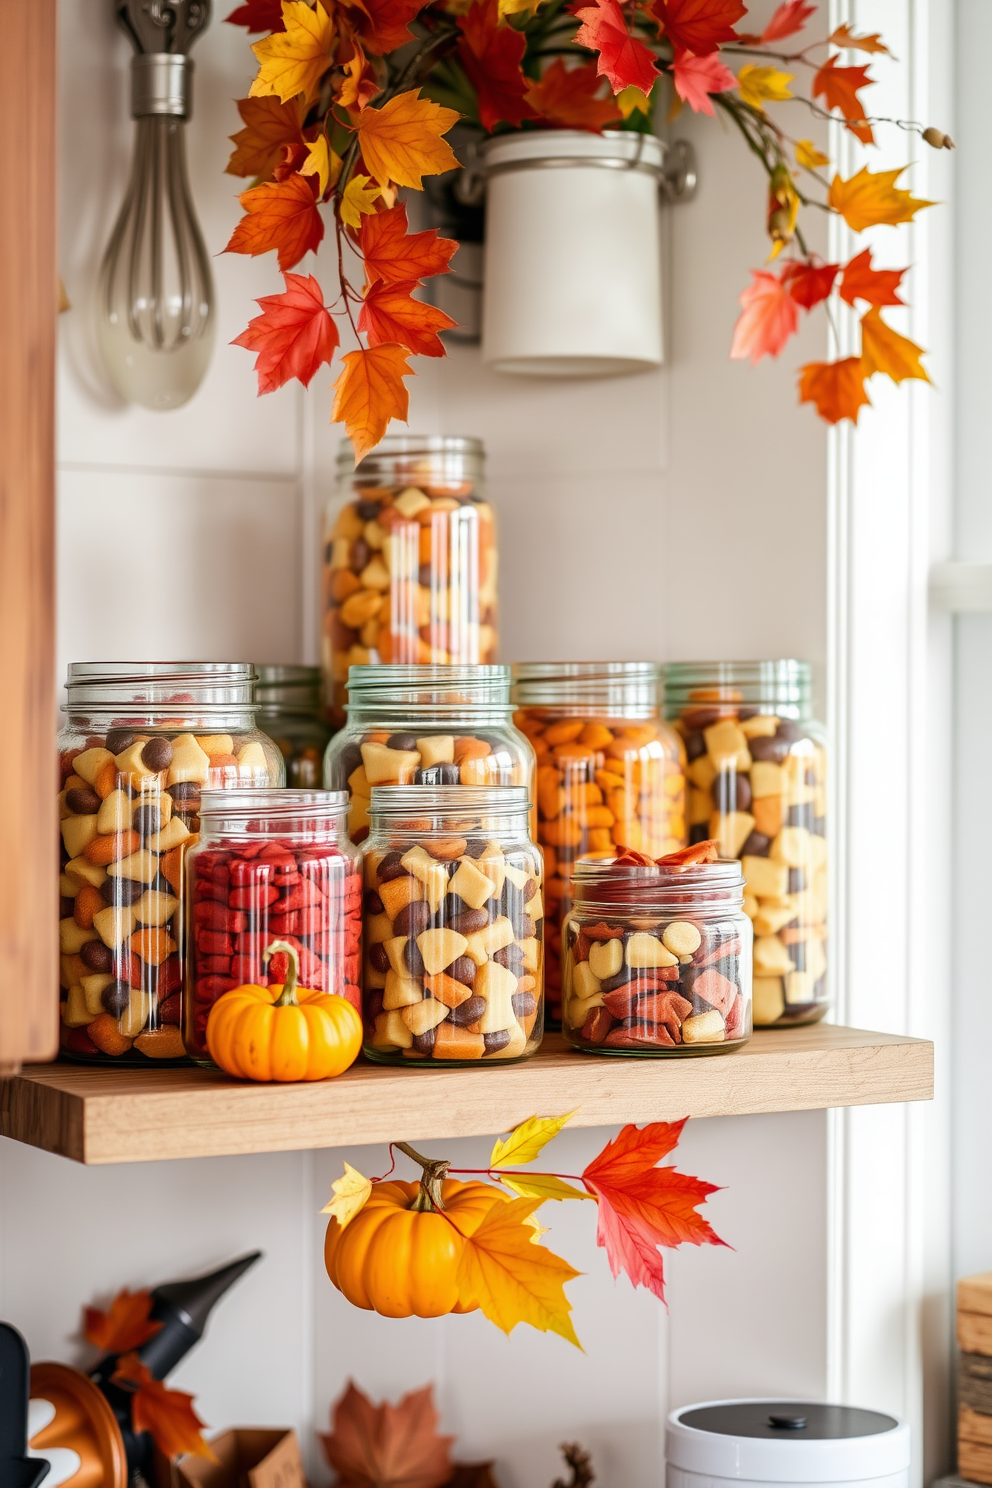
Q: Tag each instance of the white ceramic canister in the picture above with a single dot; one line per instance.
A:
(751, 1443)
(572, 267)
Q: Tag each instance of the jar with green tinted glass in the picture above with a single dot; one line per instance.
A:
(757, 776)
(290, 710)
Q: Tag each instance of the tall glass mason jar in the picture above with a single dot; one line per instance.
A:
(270, 865)
(757, 772)
(141, 741)
(453, 926)
(290, 711)
(609, 773)
(409, 560)
(425, 725)
(657, 960)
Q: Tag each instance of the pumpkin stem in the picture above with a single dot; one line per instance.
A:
(428, 1200)
(288, 995)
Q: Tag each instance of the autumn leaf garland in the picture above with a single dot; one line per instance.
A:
(352, 103)
(511, 1276)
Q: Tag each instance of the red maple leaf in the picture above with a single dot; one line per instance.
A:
(294, 335)
(281, 215)
(125, 1325)
(695, 78)
(808, 283)
(623, 59)
(838, 87)
(390, 313)
(168, 1415)
(491, 54)
(382, 25)
(393, 254)
(258, 15)
(568, 97)
(790, 17)
(769, 316)
(699, 26)
(642, 1206)
(877, 286)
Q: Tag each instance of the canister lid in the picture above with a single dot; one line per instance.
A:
(786, 1441)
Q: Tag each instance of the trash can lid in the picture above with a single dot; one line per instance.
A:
(779, 1441)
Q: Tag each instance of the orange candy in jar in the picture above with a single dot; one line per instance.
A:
(610, 773)
(409, 561)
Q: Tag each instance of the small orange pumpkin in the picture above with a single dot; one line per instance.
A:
(279, 1033)
(399, 1256)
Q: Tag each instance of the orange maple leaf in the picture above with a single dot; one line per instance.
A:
(390, 313)
(369, 392)
(359, 86)
(402, 142)
(871, 198)
(837, 388)
(125, 1325)
(845, 37)
(281, 215)
(568, 98)
(269, 125)
(701, 26)
(512, 1277)
(387, 1446)
(294, 335)
(393, 254)
(642, 1206)
(876, 286)
(838, 87)
(167, 1415)
(884, 350)
(491, 51)
(769, 316)
(623, 58)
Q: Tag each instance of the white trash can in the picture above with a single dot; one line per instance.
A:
(572, 269)
(754, 1443)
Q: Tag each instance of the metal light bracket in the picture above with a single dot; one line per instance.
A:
(679, 178)
(163, 25)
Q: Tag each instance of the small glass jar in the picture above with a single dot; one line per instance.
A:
(140, 743)
(291, 712)
(270, 865)
(609, 773)
(453, 927)
(409, 560)
(425, 725)
(757, 772)
(657, 961)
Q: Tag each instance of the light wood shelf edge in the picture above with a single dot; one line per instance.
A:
(101, 1115)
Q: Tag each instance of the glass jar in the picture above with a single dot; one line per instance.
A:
(270, 865)
(609, 773)
(289, 709)
(453, 926)
(140, 743)
(657, 961)
(757, 772)
(425, 725)
(409, 560)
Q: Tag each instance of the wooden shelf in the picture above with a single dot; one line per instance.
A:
(104, 1115)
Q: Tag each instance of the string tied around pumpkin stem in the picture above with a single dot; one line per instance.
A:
(287, 997)
(435, 1170)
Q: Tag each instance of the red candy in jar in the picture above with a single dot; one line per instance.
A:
(270, 865)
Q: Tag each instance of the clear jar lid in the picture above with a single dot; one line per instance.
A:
(304, 815)
(447, 804)
(410, 458)
(171, 689)
(602, 885)
(407, 689)
(627, 688)
(289, 688)
(784, 686)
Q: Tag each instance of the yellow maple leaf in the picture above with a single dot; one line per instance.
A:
(401, 142)
(293, 61)
(631, 98)
(758, 85)
(512, 1278)
(350, 1193)
(322, 162)
(527, 1140)
(809, 156)
(872, 197)
(884, 350)
(356, 198)
(543, 1186)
